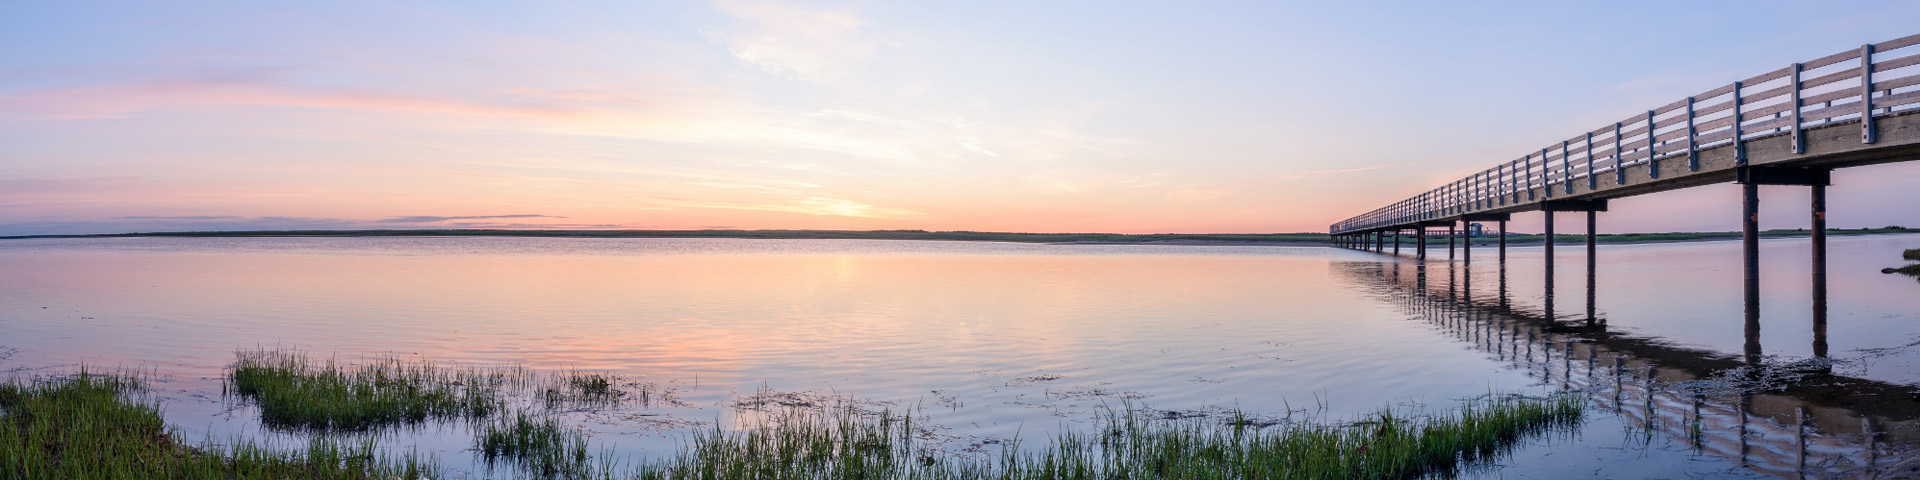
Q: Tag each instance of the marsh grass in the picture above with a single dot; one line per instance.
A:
(103, 426)
(293, 391)
(843, 444)
(592, 390)
(538, 445)
(1912, 254)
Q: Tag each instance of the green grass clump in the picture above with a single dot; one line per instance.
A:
(844, 444)
(293, 392)
(590, 389)
(1913, 254)
(538, 445)
(100, 426)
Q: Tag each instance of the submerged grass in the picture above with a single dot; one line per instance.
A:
(841, 444)
(100, 426)
(292, 391)
(585, 389)
(538, 445)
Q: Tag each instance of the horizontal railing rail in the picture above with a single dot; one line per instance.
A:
(1860, 84)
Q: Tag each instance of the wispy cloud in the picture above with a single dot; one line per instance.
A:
(792, 40)
(178, 217)
(436, 218)
(821, 206)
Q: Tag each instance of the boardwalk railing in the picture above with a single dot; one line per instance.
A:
(1859, 85)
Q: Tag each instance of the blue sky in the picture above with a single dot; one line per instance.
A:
(1023, 116)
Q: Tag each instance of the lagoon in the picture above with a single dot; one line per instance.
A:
(994, 342)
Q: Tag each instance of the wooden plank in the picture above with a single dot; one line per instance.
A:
(1664, 109)
(1824, 113)
(1663, 124)
(1898, 99)
(1676, 134)
(1699, 111)
(1901, 42)
(1714, 93)
(1633, 156)
(1635, 131)
(1707, 138)
(1810, 83)
(1757, 112)
(1907, 81)
(1769, 93)
(1831, 96)
(1766, 77)
(1850, 54)
(1708, 126)
(1902, 62)
(1768, 124)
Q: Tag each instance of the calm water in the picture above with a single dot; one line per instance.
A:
(994, 340)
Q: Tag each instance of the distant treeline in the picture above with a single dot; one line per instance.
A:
(766, 234)
(1237, 238)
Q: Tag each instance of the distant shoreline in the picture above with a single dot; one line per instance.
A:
(1216, 239)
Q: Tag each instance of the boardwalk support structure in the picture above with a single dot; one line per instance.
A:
(1789, 126)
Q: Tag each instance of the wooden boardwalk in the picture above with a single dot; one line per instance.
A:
(1790, 126)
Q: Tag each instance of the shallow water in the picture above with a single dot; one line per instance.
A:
(994, 340)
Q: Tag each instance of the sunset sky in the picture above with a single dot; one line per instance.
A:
(1049, 116)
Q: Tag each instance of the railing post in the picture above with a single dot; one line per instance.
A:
(1499, 181)
(1693, 146)
(1592, 183)
(1653, 154)
(1546, 172)
(1793, 87)
(1866, 94)
(1619, 176)
(1528, 173)
(1566, 166)
(1739, 149)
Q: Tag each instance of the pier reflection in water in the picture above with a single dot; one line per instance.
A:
(1777, 417)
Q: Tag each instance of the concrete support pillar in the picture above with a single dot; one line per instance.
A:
(1396, 242)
